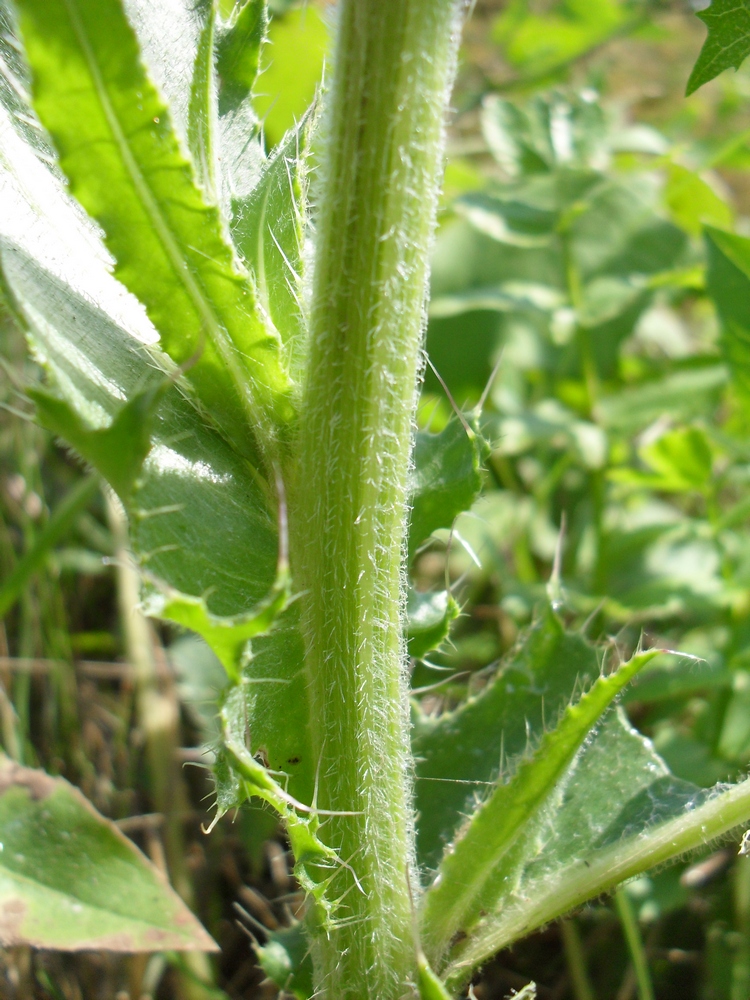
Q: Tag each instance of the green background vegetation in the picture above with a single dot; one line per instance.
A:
(574, 295)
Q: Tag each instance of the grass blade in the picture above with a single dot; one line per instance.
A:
(63, 519)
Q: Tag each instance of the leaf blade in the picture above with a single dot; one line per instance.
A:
(468, 873)
(728, 42)
(125, 166)
(70, 880)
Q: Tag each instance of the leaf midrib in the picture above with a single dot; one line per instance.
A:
(180, 265)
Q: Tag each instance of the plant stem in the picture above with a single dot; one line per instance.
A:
(382, 164)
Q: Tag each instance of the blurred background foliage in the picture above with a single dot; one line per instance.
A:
(573, 310)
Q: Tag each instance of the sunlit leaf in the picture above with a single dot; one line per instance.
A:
(267, 228)
(429, 619)
(445, 479)
(291, 69)
(540, 42)
(692, 202)
(728, 42)
(118, 149)
(238, 53)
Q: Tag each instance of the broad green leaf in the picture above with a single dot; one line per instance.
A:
(462, 753)
(118, 149)
(681, 461)
(263, 655)
(547, 42)
(227, 637)
(613, 823)
(508, 133)
(194, 497)
(684, 455)
(285, 959)
(429, 619)
(473, 874)
(620, 234)
(682, 394)
(728, 42)
(170, 39)
(506, 220)
(692, 202)
(117, 451)
(445, 479)
(69, 880)
(551, 425)
(197, 509)
(728, 282)
(548, 132)
(179, 43)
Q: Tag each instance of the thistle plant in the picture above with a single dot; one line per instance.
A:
(234, 342)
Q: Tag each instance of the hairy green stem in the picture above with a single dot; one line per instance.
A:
(380, 174)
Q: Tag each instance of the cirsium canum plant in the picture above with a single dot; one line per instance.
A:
(243, 371)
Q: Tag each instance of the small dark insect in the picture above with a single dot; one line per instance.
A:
(293, 760)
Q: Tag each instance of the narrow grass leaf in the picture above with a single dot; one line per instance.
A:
(62, 520)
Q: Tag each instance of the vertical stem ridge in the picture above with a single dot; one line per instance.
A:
(376, 212)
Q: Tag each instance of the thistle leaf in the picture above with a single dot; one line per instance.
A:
(614, 822)
(122, 158)
(117, 451)
(445, 480)
(461, 753)
(471, 876)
